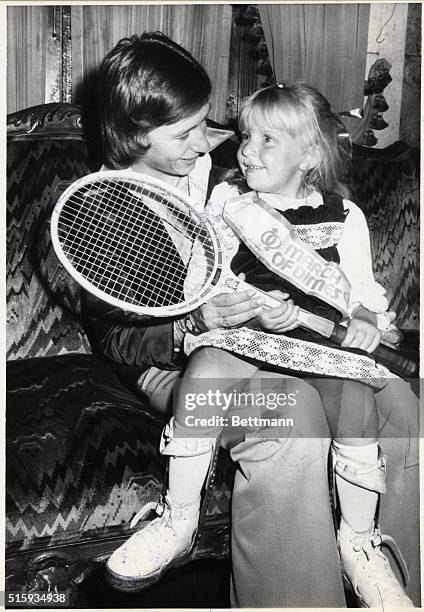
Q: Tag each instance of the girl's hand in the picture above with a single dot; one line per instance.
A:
(392, 336)
(362, 334)
(280, 319)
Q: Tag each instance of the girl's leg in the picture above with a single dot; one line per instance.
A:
(355, 450)
(169, 538)
(189, 446)
(359, 468)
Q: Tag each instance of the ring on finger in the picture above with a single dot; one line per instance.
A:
(225, 322)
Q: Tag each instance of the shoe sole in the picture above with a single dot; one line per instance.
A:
(133, 585)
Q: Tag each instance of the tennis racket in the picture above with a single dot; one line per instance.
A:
(139, 244)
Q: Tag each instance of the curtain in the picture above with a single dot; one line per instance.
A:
(322, 44)
(28, 60)
(36, 58)
(204, 30)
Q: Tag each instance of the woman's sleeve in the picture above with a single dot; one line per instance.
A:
(130, 339)
(355, 259)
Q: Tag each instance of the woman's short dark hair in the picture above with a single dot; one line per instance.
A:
(145, 82)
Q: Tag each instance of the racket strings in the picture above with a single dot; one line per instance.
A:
(136, 215)
(189, 228)
(102, 213)
(114, 239)
(172, 280)
(130, 272)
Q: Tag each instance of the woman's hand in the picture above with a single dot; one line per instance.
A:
(227, 310)
(280, 319)
(362, 334)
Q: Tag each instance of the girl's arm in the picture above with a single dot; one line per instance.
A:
(367, 301)
(355, 259)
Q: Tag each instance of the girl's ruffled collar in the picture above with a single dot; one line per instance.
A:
(281, 202)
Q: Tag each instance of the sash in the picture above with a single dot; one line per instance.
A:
(274, 242)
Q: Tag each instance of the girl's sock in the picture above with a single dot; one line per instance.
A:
(189, 460)
(186, 477)
(357, 505)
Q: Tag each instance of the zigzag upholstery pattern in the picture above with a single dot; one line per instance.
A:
(387, 191)
(42, 300)
(82, 457)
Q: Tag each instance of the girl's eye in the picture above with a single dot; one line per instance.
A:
(244, 137)
(267, 138)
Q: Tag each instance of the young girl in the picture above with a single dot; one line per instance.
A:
(290, 157)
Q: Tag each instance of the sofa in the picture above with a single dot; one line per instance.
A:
(82, 446)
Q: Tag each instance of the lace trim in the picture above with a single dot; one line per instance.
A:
(320, 235)
(292, 354)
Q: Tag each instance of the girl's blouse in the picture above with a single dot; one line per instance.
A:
(353, 245)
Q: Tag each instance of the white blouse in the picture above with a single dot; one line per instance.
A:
(353, 245)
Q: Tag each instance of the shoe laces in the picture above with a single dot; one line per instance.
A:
(379, 565)
(161, 508)
(159, 528)
(165, 511)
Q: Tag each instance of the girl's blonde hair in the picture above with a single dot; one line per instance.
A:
(305, 114)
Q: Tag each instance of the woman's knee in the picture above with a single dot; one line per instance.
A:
(309, 416)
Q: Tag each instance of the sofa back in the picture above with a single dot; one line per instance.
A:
(48, 149)
(385, 185)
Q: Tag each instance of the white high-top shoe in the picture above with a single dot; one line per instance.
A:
(368, 571)
(165, 542)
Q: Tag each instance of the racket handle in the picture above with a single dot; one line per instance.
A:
(388, 357)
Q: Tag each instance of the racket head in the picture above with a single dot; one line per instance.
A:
(136, 243)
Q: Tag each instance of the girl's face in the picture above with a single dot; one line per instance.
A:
(270, 161)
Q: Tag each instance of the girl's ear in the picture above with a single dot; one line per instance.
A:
(311, 159)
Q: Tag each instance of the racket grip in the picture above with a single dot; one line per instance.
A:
(388, 357)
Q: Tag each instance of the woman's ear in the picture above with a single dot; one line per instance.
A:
(143, 140)
(311, 159)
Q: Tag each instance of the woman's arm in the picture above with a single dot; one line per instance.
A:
(129, 339)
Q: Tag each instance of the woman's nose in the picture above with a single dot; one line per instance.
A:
(200, 143)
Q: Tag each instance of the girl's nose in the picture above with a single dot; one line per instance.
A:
(248, 148)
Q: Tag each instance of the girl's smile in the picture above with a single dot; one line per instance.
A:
(270, 160)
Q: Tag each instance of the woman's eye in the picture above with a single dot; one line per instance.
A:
(267, 139)
(244, 137)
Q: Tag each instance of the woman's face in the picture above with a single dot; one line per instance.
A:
(270, 160)
(175, 148)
